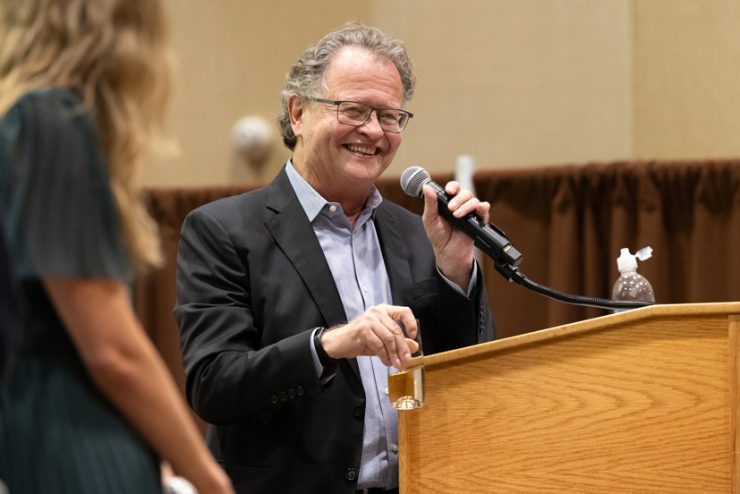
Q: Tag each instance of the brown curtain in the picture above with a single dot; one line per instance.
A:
(568, 221)
(154, 293)
(571, 221)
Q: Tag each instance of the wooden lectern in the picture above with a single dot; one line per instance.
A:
(645, 401)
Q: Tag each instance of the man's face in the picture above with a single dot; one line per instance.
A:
(343, 157)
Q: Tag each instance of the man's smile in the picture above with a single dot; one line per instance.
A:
(364, 150)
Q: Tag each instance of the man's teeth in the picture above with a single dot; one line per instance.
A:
(361, 149)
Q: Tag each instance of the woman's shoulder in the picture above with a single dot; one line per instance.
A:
(53, 98)
(50, 130)
(57, 108)
(54, 183)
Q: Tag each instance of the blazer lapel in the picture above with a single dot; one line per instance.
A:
(395, 253)
(289, 227)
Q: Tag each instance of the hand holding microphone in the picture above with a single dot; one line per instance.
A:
(487, 238)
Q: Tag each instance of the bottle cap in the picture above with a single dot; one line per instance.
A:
(644, 253)
(628, 262)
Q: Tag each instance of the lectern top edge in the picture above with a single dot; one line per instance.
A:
(660, 311)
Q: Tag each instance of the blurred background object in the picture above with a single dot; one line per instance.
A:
(252, 139)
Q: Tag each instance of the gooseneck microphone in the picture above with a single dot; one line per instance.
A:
(487, 238)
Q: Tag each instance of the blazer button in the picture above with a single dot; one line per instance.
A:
(274, 400)
(358, 412)
(299, 390)
(283, 396)
(291, 394)
(351, 475)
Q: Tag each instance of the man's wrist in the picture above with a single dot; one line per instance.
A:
(465, 289)
(324, 357)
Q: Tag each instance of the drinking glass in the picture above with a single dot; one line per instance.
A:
(406, 386)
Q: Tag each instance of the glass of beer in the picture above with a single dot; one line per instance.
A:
(406, 386)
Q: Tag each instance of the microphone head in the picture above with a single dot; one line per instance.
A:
(413, 180)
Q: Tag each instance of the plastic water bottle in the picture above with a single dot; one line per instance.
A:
(631, 285)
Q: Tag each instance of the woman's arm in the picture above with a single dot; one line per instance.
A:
(127, 368)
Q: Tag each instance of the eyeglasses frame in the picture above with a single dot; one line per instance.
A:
(336, 103)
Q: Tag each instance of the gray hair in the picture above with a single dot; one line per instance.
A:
(307, 75)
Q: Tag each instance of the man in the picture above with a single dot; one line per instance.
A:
(292, 298)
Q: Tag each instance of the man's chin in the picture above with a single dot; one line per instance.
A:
(367, 170)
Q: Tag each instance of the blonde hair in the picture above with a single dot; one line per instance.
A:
(113, 53)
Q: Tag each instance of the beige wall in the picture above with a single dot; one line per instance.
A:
(516, 82)
(511, 82)
(687, 78)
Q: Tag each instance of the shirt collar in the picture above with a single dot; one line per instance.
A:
(312, 202)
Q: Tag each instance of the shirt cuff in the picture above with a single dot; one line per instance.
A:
(316, 362)
(324, 373)
(458, 288)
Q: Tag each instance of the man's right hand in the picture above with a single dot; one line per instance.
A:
(377, 331)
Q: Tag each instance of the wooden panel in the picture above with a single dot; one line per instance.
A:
(734, 369)
(627, 403)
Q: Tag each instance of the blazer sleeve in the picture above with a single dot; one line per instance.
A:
(471, 315)
(230, 376)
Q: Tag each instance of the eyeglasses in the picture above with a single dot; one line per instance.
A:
(356, 114)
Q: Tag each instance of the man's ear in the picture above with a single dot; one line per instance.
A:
(296, 107)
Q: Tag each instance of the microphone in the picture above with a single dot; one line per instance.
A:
(487, 238)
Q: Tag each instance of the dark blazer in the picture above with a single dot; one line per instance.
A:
(252, 283)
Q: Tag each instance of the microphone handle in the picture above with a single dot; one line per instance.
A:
(488, 239)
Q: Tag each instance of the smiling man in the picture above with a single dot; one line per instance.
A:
(291, 298)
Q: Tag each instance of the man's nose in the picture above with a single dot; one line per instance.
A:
(372, 125)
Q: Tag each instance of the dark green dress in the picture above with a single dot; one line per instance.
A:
(58, 433)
